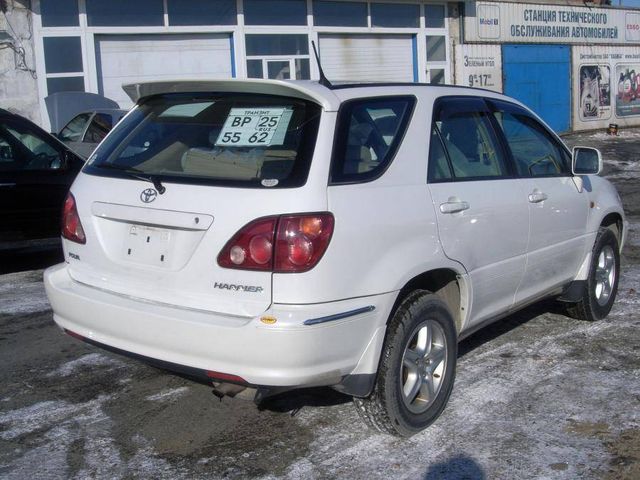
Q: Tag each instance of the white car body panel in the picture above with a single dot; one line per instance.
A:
(558, 234)
(489, 239)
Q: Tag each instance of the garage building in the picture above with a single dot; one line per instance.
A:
(96, 46)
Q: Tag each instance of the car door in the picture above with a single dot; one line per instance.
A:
(35, 175)
(482, 214)
(558, 209)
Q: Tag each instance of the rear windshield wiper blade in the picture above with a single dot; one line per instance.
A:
(136, 173)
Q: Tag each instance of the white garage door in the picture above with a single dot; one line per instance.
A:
(381, 58)
(131, 58)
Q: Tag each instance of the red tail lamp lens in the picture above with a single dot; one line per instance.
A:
(251, 248)
(285, 244)
(260, 248)
(71, 226)
(300, 249)
(301, 241)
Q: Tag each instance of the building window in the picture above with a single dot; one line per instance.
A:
(281, 57)
(265, 44)
(202, 12)
(63, 64)
(436, 48)
(275, 12)
(395, 15)
(434, 16)
(339, 14)
(65, 84)
(59, 13)
(437, 71)
(125, 13)
(62, 54)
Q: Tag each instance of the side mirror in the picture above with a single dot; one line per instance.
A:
(586, 161)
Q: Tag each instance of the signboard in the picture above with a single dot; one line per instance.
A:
(529, 23)
(254, 127)
(479, 66)
(606, 86)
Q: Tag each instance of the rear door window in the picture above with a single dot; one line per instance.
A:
(368, 134)
(21, 148)
(463, 136)
(247, 140)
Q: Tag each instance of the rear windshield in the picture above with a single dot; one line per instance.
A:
(245, 140)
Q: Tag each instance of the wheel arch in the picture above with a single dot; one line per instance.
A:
(446, 283)
(615, 223)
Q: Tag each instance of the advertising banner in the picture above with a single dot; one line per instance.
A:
(628, 86)
(479, 66)
(606, 86)
(531, 23)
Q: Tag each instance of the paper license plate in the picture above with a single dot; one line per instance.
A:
(254, 127)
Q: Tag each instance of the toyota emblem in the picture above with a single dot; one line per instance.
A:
(148, 195)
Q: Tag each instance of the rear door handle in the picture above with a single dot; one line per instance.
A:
(7, 184)
(454, 206)
(537, 197)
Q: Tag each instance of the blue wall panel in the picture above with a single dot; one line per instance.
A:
(539, 76)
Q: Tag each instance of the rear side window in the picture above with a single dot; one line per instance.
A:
(72, 132)
(98, 128)
(368, 134)
(244, 140)
(468, 142)
(536, 153)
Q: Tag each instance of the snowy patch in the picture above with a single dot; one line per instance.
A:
(22, 293)
(42, 416)
(90, 360)
(168, 395)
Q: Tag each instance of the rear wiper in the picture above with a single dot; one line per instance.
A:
(137, 173)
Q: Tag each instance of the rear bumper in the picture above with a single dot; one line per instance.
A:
(287, 353)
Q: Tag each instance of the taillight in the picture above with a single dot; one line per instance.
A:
(71, 226)
(252, 247)
(285, 244)
(301, 241)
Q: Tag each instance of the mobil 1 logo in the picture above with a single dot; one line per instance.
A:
(254, 127)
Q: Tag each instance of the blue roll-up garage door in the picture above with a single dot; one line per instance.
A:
(539, 76)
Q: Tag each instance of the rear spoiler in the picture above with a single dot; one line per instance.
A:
(306, 90)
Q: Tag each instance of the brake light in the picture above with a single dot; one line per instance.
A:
(301, 241)
(285, 244)
(252, 247)
(71, 225)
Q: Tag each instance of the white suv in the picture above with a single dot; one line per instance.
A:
(278, 235)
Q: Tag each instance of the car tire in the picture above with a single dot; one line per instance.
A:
(600, 289)
(417, 368)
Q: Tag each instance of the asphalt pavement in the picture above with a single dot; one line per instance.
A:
(537, 395)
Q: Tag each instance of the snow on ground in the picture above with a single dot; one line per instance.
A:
(91, 360)
(168, 395)
(22, 293)
(55, 428)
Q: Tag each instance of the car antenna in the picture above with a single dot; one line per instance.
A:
(323, 80)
